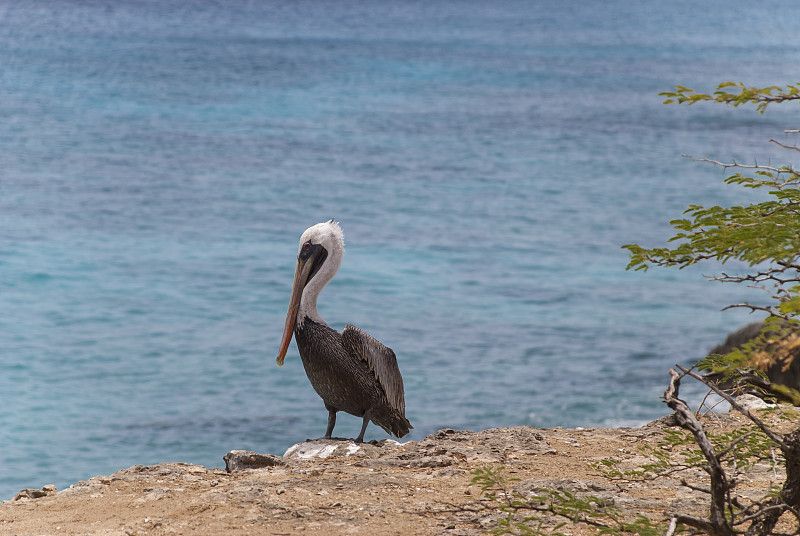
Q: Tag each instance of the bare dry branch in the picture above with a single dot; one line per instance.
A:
(716, 524)
(673, 524)
(766, 275)
(758, 422)
(753, 308)
(699, 523)
(701, 489)
(794, 147)
(735, 164)
(761, 512)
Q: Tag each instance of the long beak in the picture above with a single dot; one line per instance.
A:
(301, 274)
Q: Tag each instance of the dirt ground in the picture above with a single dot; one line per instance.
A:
(380, 489)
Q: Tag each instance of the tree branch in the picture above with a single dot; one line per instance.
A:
(735, 164)
(753, 308)
(733, 444)
(716, 524)
(673, 524)
(795, 147)
(758, 422)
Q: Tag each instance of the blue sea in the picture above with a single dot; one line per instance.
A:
(486, 160)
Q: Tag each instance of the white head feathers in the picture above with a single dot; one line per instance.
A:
(328, 234)
(331, 237)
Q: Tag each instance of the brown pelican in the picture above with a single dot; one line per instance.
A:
(351, 371)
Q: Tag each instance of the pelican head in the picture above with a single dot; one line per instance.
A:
(318, 259)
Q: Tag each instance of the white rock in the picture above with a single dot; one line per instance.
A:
(321, 448)
(751, 402)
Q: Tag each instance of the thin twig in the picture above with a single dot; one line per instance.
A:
(695, 487)
(776, 142)
(697, 522)
(758, 422)
(754, 308)
(734, 443)
(710, 409)
(742, 166)
(761, 511)
(673, 524)
(702, 403)
(774, 462)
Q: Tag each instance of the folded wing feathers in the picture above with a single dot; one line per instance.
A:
(381, 361)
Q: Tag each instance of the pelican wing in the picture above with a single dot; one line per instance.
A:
(381, 361)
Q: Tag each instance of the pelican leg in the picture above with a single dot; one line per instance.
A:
(360, 438)
(331, 423)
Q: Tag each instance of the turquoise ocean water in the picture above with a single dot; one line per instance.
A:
(159, 160)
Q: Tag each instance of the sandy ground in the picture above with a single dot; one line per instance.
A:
(382, 489)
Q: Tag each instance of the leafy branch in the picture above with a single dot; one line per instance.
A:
(531, 516)
(676, 452)
(761, 97)
(763, 236)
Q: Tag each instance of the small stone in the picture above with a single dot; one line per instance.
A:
(240, 460)
(30, 493)
(435, 461)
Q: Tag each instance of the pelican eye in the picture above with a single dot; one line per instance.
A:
(307, 250)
